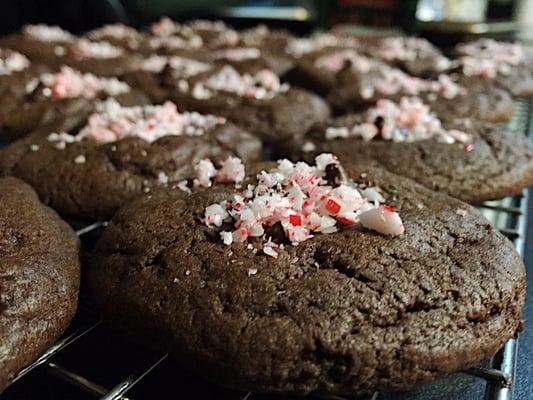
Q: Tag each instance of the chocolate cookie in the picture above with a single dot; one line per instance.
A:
(15, 70)
(120, 153)
(58, 94)
(259, 103)
(505, 64)
(97, 57)
(360, 83)
(39, 277)
(248, 51)
(470, 161)
(415, 56)
(121, 35)
(343, 313)
(171, 38)
(41, 43)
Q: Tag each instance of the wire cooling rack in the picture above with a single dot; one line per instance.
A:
(90, 362)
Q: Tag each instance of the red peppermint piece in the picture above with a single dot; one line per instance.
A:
(346, 221)
(333, 207)
(469, 147)
(295, 220)
(388, 209)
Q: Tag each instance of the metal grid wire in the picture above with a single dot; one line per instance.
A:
(89, 362)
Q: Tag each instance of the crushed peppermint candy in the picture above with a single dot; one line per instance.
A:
(47, 33)
(162, 178)
(238, 54)
(12, 61)
(391, 81)
(409, 120)
(263, 85)
(228, 38)
(308, 146)
(505, 53)
(302, 46)
(252, 271)
(208, 25)
(164, 27)
(410, 49)
(336, 61)
(68, 83)
(116, 31)
(175, 42)
(84, 48)
(461, 212)
(303, 200)
(60, 140)
(484, 68)
(183, 67)
(231, 170)
(182, 185)
(114, 122)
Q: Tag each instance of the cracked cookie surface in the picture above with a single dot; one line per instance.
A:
(344, 313)
(39, 277)
(499, 163)
(88, 179)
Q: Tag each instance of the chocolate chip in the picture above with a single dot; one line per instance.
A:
(335, 175)
(277, 233)
(379, 122)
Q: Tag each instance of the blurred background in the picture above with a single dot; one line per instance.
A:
(432, 18)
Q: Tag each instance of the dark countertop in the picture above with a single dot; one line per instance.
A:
(523, 389)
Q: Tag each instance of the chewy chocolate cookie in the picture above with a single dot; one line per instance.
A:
(360, 82)
(470, 161)
(504, 64)
(15, 70)
(120, 152)
(122, 36)
(54, 47)
(415, 56)
(347, 311)
(56, 95)
(40, 43)
(39, 277)
(259, 103)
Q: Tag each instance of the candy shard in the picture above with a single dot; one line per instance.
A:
(382, 220)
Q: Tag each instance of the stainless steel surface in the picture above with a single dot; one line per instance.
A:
(509, 215)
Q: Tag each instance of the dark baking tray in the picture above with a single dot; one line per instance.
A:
(90, 362)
